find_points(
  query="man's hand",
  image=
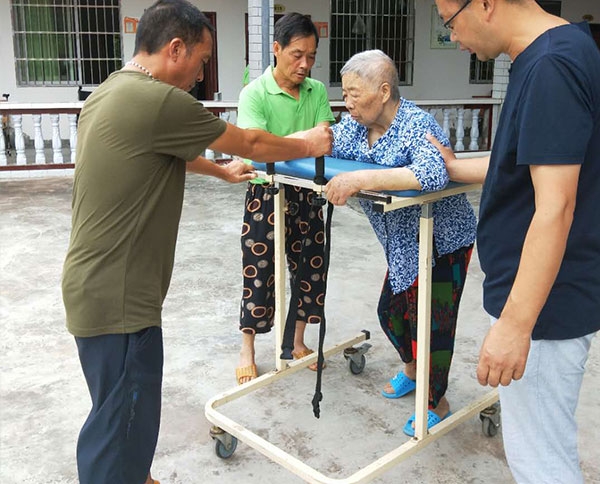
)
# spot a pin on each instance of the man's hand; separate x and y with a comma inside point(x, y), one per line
point(237, 171)
point(468, 170)
point(343, 186)
point(319, 140)
point(503, 354)
point(445, 151)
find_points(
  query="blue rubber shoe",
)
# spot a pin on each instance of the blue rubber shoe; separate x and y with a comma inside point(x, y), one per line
point(401, 384)
point(432, 419)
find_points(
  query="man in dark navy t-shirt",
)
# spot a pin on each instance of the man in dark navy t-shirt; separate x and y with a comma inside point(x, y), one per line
point(538, 234)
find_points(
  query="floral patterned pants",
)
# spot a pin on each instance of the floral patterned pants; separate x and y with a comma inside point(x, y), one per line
point(398, 317)
point(304, 237)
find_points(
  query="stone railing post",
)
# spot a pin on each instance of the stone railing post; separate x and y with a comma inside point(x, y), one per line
point(38, 140)
point(446, 123)
point(474, 144)
point(3, 158)
point(57, 155)
point(460, 129)
point(17, 121)
point(73, 135)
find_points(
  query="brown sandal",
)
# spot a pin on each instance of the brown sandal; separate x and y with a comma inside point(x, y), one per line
point(301, 354)
point(246, 371)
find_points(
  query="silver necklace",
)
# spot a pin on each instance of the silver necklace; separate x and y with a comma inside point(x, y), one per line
point(141, 68)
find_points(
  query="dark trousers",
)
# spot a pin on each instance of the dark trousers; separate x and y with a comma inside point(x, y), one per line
point(124, 376)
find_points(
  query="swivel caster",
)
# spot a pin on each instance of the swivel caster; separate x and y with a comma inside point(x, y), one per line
point(225, 444)
point(356, 358)
point(490, 420)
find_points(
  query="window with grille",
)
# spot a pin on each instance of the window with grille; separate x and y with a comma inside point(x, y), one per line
point(481, 72)
point(358, 25)
point(66, 42)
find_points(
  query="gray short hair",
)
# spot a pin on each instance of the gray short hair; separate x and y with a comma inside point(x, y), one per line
point(374, 67)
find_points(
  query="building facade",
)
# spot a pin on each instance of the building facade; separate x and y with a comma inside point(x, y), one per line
point(52, 49)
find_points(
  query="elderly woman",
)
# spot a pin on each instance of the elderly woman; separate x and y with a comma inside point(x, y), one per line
point(387, 130)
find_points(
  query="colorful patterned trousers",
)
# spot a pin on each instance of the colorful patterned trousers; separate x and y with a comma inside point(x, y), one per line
point(398, 317)
point(303, 222)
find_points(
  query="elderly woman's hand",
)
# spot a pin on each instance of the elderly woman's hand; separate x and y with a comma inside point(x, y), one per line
point(343, 186)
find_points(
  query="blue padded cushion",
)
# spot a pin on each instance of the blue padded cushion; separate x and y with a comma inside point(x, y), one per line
point(305, 168)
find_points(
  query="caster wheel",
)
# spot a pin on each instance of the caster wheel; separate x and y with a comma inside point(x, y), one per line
point(357, 368)
point(225, 451)
point(488, 427)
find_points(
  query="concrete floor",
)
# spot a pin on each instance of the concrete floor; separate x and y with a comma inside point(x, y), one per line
point(44, 400)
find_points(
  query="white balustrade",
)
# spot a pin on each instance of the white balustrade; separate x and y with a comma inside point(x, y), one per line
point(17, 122)
point(38, 140)
point(73, 135)
point(3, 158)
point(57, 156)
point(460, 130)
point(474, 144)
point(446, 123)
point(27, 128)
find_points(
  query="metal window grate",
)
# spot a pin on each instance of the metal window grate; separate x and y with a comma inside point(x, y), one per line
point(358, 25)
point(481, 72)
point(66, 42)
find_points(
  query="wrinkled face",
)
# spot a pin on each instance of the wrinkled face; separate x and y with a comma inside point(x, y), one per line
point(192, 62)
point(295, 61)
point(363, 101)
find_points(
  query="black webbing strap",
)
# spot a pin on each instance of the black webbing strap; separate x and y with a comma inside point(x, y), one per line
point(318, 396)
point(287, 344)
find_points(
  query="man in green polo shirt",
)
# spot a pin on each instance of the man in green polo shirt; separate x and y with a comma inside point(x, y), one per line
point(283, 100)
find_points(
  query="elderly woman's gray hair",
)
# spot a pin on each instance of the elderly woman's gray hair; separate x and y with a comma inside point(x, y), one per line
point(374, 67)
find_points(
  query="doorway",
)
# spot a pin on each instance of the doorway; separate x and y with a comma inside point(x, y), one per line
point(206, 89)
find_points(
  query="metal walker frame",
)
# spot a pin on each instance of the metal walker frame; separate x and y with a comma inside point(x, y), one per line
point(227, 432)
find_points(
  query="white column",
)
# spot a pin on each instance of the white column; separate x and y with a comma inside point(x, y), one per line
point(474, 144)
point(17, 122)
point(57, 156)
point(38, 140)
point(255, 37)
point(73, 135)
point(460, 129)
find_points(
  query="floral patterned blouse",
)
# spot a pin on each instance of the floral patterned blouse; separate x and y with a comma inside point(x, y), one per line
point(404, 144)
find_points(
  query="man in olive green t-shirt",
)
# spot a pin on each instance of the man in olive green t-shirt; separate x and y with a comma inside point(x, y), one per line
point(138, 133)
point(282, 100)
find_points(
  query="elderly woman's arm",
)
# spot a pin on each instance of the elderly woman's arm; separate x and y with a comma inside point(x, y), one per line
point(343, 186)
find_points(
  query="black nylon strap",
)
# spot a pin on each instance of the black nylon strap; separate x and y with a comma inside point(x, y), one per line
point(318, 396)
point(287, 345)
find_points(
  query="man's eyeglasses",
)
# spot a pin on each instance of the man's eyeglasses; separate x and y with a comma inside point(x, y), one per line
point(449, 21)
